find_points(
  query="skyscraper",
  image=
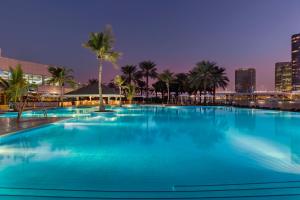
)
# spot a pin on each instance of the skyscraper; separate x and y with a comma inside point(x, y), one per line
point(296, 61)
point(245, 80)
point(283, 76)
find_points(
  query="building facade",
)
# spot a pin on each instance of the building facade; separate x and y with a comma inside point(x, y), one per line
point(296, 62)
point(34, 73)
point(245, 80)
point(283, 77)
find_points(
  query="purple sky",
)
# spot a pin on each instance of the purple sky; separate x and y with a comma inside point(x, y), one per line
point(173, 33)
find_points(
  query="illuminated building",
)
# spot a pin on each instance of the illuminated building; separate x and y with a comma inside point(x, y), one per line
point(34, 73)
point(296, 62)
point(283, 76)
point(245, 80)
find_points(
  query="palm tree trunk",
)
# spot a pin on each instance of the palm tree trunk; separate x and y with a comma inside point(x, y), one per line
point(168, 88)
point(214, 94)
point(101, 106)
point(205, 91)
point(21, 108)
point(120, 98)
point(200, 92)
point(147, 87)
point(61, 95)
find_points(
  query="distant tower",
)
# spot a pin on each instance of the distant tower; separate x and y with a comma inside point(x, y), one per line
point(245, 80)
point(283, 76)
point(296, 61)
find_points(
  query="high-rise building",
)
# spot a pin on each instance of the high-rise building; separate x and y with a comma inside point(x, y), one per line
point(296, 61)
point(245, 80)
point(283, 76)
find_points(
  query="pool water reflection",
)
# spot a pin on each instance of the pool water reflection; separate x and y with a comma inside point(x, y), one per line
point(156, 148)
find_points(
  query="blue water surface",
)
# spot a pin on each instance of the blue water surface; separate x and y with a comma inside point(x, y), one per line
point(155, 152)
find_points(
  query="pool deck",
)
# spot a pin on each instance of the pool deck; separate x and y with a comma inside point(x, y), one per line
point(9, 125)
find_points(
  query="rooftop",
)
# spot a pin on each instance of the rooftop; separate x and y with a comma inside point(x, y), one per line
point(92, 90)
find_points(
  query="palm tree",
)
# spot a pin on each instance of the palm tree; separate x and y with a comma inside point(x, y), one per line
point(130, 91)
point(148, 70)
point(92, 81)
point(202, 76)
point(159, 86)
point(181, 80)
point(61, 76)
point(141, 86)
point(167, 77)
point(219, 79)
point(119, 81)
point(17, 89)
point(180, 84)
point(195, 83)
point(102, 45)
point(129, 73)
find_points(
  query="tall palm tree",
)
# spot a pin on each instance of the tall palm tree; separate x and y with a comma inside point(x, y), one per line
point(148, 70)
point(219, 79)
point(17, 89)
point(140, 85)
point(181, 80)
point(102, 45)
point(119, 81)
point(129, 73)
point(159, 86)
point(195, 84)
point(202, 76)
point(61, 76)
point(167, 77)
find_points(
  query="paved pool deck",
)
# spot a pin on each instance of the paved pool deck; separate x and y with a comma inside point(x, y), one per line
point(8, 125)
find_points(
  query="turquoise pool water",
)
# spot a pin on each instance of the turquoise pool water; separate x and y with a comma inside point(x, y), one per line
point(156, 153)
point(54, 112)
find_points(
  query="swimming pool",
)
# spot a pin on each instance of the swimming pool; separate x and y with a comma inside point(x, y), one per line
point(54, 112)
point(158, 153)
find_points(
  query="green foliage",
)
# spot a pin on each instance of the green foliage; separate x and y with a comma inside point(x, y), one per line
point(61, 76)
point(207, 77)
point(130, 74)
point(17, 86)
point(148, 70)
point(130, 92)
point(92, 81)
point(166, 76)
point(16, 89)
point(102, 44)
point(119, 81)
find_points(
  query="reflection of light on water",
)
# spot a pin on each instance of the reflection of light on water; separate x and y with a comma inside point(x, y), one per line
point(173, 107)
point(129, 106)
point(71, 126)
point(104, 118)
point(131, 115)
point(42, 152)
point(269, 154)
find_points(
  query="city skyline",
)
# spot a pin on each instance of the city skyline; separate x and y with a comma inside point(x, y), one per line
point(253, 35)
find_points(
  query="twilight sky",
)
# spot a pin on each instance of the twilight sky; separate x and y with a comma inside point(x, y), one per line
point(175, 34)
